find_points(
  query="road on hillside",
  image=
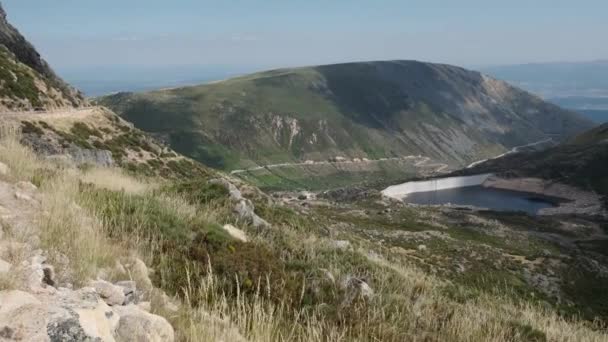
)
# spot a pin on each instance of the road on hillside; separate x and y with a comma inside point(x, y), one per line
point(422, 162)
point(51, 114)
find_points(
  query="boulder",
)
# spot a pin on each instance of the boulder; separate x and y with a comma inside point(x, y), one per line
point(341, 244)
point(235, 232)
point(355, 289)
point(22, 317)
point(136, 324)
point(110, 293)
point(242, 206)
point(139, 273)
point(79, 316)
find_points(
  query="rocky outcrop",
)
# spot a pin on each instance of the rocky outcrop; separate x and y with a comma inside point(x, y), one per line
point(24, 53)
point(37, 305)
point(243, 207)
point(66, 315)
point(46, 146)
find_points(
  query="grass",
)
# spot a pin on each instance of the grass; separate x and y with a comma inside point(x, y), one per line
point(284, 285)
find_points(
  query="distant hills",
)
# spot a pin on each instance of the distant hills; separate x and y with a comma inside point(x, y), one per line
point(581, 86)
point(553, 80)
point(580, 161)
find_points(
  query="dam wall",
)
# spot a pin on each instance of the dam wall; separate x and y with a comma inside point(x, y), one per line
point(401, 191)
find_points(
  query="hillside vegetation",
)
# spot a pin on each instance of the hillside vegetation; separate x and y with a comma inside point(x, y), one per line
point(297, 277)
point(357, 110)
point(26, 80)
point(580, 161)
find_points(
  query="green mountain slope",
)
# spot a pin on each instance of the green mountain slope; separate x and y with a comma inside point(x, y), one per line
point(26, 80)
point(358, 110)
point(580, 161)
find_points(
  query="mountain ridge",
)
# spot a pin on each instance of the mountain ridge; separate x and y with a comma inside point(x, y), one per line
point(357, 110)
point(28, 81)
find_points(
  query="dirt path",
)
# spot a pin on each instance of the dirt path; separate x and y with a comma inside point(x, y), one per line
point(54, 114)
point(420, 161)
point(515, 149)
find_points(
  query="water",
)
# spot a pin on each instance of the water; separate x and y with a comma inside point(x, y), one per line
point(479, 196)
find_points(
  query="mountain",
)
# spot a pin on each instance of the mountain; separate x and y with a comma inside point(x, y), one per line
point(107, 235)
point(580, 161)
point(26, 80)
point(366, 110)
point(557, 80)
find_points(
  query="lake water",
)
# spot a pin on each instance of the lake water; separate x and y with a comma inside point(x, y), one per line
point(479, 196)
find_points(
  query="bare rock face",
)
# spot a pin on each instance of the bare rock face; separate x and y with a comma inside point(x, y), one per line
point(91, 156)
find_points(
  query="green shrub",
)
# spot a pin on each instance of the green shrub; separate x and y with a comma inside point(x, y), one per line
point(200, 191)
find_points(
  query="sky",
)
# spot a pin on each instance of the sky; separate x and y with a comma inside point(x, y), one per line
point(81, 34)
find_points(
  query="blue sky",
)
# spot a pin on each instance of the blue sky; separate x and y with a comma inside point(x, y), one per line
point(275, 33)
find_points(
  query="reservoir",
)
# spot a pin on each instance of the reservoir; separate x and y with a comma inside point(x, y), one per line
point(483, 197)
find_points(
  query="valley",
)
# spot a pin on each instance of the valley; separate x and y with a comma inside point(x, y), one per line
point(372, 110)
point(270, 207)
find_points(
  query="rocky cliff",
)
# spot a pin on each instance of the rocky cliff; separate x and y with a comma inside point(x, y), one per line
point(26, 80)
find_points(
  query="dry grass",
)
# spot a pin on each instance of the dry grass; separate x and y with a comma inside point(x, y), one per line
point(75, 239)
point(114, 179)
point(24, 164)
point(408, 305)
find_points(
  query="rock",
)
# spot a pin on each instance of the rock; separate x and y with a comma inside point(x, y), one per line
point(22, 317)
point(26, 186)
point(130, 291)
point(111, 294)
point(139, 273)
point(242, 207)
point(22, 196)
point(80, 316)
point(137, 325)
point(48, 275)
point(235, 232)
point(341, 244)
point(4, 170)
point(12, 300)
point(146, 306)
point(422, 248)
point(4, 266)
point(245, 210)
point(35, 271)
point(356, 288)
point(86, 156)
